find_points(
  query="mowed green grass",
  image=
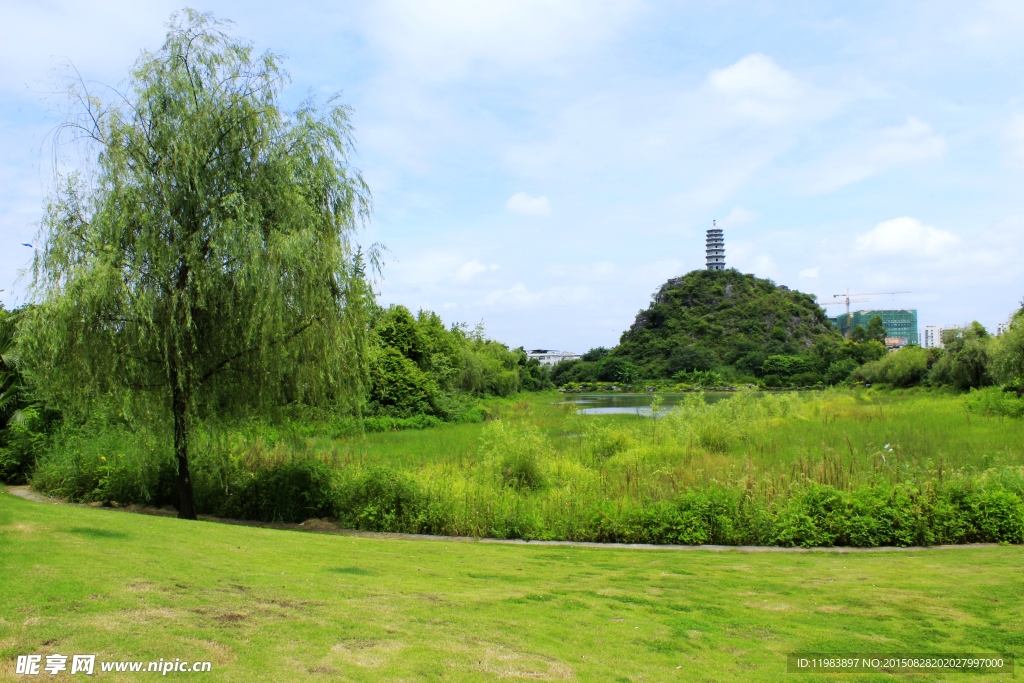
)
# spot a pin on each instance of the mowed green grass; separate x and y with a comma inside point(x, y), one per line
point(274, 605)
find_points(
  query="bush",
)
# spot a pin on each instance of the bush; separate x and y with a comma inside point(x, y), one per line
point(286, 492)
point(996, 516)
point(905, 368)
point(515, 454)
point(397, 424)
point(399, 387)
point(994, 401)
point(840, 370)
point(805, 379)
point(660, 523)
point(520, 470)
point(380, 499)
point(24, 440)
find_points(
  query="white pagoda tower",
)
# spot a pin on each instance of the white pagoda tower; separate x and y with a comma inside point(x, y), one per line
point(716, 248)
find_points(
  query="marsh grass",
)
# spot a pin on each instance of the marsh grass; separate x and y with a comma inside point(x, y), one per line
point(849, 467)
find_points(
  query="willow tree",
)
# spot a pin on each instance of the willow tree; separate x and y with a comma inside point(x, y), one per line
point(204, 260)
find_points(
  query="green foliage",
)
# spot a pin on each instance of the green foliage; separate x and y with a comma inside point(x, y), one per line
point(532, 375)
point(11, 389)
point(965, 363)
point(703, 378)
point(692, 357)
point(904, 368)
point(380, 499)
point(23, 441)
point(398, 330)
point(875, 331)
point(398, 387)
point(995, 401)
point(284, 492)
point(594, 354)
point(418, 367)
point(787, 366)
point(840, 370)
point(569, 371)
point(1007, 352)
point(515, 454)
point(711, 320)
point(737, 471)
point(396, 424)
point(206, 265)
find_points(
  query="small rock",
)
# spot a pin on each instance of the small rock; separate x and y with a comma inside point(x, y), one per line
point(95, 504)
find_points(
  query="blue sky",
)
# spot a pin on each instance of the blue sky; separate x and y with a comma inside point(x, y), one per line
point(545, 166)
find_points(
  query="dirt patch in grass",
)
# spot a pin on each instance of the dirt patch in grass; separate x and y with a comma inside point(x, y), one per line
point(506, 662)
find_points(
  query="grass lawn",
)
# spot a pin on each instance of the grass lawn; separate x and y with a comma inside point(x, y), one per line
point(272, 605)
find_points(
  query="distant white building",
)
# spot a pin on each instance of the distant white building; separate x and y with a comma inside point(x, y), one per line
point(931, 337)
point(549, 357)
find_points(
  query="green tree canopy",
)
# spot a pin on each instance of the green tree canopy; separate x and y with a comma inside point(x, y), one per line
point(965, 363)
point(206, 261)
point(875, 330)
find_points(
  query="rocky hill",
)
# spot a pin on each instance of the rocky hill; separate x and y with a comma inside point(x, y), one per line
point(708, 319)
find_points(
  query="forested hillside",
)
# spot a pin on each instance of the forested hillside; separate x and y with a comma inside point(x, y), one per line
point(738, 325)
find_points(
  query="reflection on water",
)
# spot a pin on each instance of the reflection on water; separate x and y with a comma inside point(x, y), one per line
point(631, 404)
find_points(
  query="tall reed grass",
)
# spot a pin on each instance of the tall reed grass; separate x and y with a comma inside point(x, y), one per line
point(819, 469)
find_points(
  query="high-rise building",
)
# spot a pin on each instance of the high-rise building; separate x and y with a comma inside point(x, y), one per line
point(900, 325)
point(931, 337)
point(715, 248)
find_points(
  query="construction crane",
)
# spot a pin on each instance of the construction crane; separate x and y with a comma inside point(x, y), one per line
point(848, 300)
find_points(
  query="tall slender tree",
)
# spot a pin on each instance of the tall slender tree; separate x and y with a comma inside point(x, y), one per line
point(205, 260)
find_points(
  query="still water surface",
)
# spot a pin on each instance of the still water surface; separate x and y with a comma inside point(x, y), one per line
point(633, 404)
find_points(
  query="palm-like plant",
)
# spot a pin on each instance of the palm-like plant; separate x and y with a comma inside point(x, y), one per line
point(10, 380)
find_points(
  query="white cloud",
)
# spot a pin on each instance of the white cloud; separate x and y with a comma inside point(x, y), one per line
point(810, 272)
point(446, 39)
point(764, 266)
point(738, 216)
point(1013, 142)
point(526, 205)
point(993, 21)
point(470, 269)
point(519, 296)
point(759, 90)
point(905, 237)
point(912, 142)
point(37, 37)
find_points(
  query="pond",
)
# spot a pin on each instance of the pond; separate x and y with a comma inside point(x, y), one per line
point(632, 404)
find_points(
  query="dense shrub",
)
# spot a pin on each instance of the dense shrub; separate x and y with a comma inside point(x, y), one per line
point(995, 401)
point(399, 387)
point(23, 441)
point(819, 516)
point(515, 453)
point(659, 523)
point(380, 498)
point(396, 424)
point(840, 370)
point(905, 368)
point(286, 492)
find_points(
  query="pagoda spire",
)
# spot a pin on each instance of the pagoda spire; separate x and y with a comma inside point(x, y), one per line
point(715, 248)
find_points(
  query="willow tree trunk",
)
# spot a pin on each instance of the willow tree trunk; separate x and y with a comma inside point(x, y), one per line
point(182, 431)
